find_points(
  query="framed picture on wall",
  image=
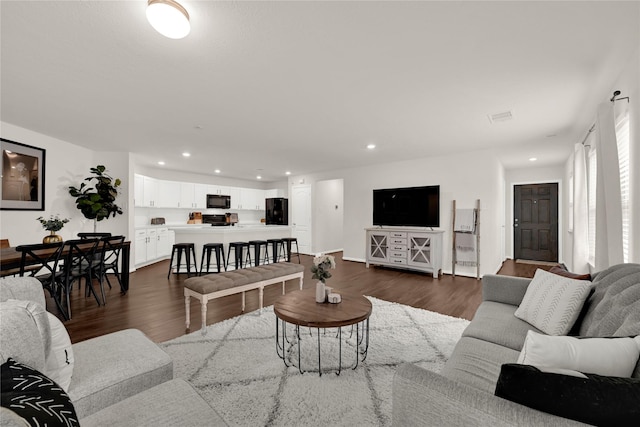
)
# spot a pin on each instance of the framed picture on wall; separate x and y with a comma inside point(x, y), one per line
point(23, 175)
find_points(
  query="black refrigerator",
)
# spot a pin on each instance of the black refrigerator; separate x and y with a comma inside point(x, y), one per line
point(277, 211)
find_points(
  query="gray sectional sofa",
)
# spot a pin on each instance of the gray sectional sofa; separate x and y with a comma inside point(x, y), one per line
point(463, 393)
point(121, 379)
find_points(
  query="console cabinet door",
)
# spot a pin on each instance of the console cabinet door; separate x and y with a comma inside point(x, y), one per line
point(420, 250)
point(378, 246)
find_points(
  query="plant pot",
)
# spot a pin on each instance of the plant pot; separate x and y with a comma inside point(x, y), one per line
point(52, 238)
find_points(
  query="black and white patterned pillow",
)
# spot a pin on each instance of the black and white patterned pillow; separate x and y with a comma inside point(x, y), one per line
point(35, 397)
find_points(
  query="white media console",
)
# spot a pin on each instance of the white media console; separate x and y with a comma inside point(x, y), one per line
point(411, 248)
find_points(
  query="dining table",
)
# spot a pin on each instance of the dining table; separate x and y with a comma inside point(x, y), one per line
point(10, 259)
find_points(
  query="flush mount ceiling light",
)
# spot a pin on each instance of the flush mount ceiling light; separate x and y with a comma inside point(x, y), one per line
point(169, 18)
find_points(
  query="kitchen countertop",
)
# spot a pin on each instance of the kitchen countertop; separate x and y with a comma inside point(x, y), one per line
point(227, 229)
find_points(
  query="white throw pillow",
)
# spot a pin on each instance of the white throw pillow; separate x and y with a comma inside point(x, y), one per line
point(612, 357)
point(59, 361)
point(552, 303)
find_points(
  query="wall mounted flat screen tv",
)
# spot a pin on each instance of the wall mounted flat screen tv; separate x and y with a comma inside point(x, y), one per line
point(408, 207)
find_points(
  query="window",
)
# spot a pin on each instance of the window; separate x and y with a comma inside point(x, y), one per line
point(571, 213)
point(622, 138)
point(591, 197)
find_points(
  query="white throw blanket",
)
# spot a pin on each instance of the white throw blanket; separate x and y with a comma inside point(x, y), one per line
point(466, 253)
point(465, 220)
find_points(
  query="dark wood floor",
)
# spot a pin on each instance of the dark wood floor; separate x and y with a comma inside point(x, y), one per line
point(155, 304)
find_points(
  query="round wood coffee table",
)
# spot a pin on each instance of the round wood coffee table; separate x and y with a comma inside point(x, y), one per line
point(300, 308)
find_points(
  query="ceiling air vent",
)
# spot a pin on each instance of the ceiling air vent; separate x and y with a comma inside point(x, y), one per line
point(500, 117)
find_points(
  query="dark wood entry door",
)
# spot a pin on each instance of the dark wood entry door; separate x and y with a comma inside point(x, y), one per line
point(535, 228)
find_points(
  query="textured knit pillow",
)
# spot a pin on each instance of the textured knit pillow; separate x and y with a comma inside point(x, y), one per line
point(22, 325)
point(552, 303)
point(614, 357)
point(34, 397)
point(597, 400)
point(59, 361)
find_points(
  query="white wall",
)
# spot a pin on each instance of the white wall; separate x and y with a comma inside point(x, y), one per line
point(65, 165)
point(628, 83)
point(328, 215)
point(540, 175)
point(464, 177)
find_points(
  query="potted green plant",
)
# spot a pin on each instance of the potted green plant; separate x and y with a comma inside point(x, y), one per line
point(53, 224)
point(96, 197)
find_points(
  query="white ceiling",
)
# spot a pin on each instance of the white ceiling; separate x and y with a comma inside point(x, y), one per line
point(304, 86)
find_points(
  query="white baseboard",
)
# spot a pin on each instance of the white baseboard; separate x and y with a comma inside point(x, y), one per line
point(353, 259)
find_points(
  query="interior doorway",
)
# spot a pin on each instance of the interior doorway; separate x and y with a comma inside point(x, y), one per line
point(301, 217)
point(535, 222)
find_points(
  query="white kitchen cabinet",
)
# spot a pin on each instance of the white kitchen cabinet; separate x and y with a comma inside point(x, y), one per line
point(155, 193)
point(152, 244)
point(273, 193)
point(169, 194)
point(250, 199)
point(193, 196)
point(200, 192)
point(236, 203)
point(163, 248)
point(186, 195)
point(218, 189)
point(150, 192)
point(141, 246)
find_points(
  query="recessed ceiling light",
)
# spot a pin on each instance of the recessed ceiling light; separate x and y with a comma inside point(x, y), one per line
point(287, 173)
point(185, 154)
point(258, 177)
point(533, 159)
point(161, 163)
point(169, 18)
point(371, 146)
point(217, 171)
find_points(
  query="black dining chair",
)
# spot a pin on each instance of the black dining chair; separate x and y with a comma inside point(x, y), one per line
point(109, 260)
point(41, 261)
point(78, 263)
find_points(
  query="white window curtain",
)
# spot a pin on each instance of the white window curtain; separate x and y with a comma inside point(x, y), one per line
point(608, 249)
point(592, 166)
point(622, 137)
point(580, 211)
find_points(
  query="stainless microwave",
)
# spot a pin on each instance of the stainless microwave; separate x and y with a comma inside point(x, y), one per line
point(218, 201)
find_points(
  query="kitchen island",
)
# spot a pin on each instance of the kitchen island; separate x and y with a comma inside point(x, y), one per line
point(227, 234)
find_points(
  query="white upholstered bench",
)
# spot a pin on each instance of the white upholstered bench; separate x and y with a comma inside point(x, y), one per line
point(217, 285)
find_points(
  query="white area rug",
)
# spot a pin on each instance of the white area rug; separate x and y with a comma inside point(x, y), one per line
point(236, 369)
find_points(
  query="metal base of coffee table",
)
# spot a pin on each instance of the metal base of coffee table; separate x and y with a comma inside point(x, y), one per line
point(361, 346)
point(299, 309)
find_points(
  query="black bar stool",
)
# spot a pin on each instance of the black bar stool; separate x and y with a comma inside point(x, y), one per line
point(288, 241)
point(208, 248)
point(277, 245)
point(238, 249)
point(189, 250)
point(257, 246)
